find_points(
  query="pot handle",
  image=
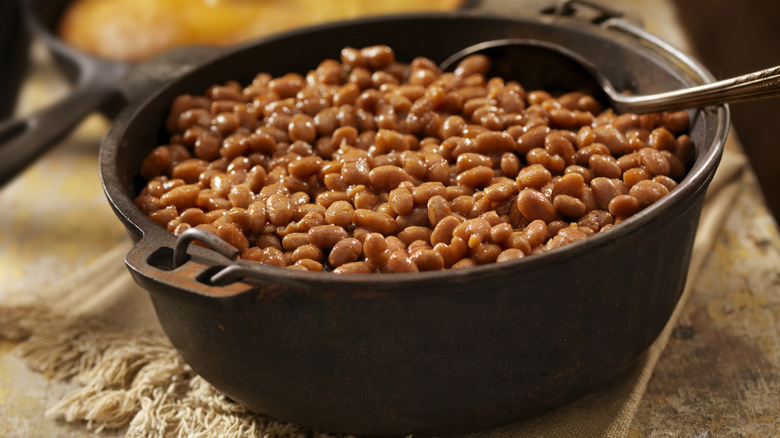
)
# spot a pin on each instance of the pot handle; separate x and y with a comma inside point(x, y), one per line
point(627, 24)
point(186, 273)
point(596, 13)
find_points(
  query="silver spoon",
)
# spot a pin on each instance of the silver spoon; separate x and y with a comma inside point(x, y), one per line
point(507, 57)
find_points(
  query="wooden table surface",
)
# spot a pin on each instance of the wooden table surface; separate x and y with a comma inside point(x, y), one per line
point(718, 376)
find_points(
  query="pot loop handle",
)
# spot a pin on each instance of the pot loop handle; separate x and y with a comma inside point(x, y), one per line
point(209, 240)
point(232, 273)
point(595, 12)
point(628, 24)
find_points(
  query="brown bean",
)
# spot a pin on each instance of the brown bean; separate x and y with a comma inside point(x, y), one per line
point(241, 195)
point(356, 172)
point(311, 252)
point(534, 176)
point(554, 163)
point(676, 121)
point(354, 268)
point(304, 167)
point(571, 184)
point(340, 213)
point(425, 191)
point(534, 205)
point(596, 220)
point(519, 240)
point(385, 178)
point(509, 254)
point(399, 261)
point(233, 235)
point(476, 177)
point(470, 160)
point(556, 143)
point(438, 168)
point(181, 197)
point(442, 231)
point(427, 260)
point(189, 170)
point(164, 215)
point(268, 256)
point(536, 232)
point(648, 192)
point(582, 156)
point(287, 85)
point(634, 175)
point(326, 236)
point(623, 206)
point(452, 252)
point(570, 206)
point(147, 204)
point(327, 198)
point(473, 231)
point(494, 142)
point(612, 138)
point(345, 251)
point(624, 122)
point(413, 233)
point(563, 118)
point(485, 253)
point(654, 161)
point(604, 189)
point(501, 191)
point(375, 250)
point(401, 200)
point(279, 210)
point(291, 241)
point(661, 139)
point(388, 140)
point(500, 233)
point(464, 263)
point(531, 139)
point(566, 236)
point(438, 209)
point(372, 220)
point(417, 217)
point(676, 166)
point(305, 264)
point(668, 182)
point(510, 164)
point(604, 166)
point(238, 216)
point(471, 65)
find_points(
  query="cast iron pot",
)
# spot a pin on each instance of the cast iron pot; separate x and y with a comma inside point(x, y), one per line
point(430, 353)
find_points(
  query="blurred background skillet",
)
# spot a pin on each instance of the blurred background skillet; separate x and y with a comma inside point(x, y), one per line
point(108, 69)
point(14, 44)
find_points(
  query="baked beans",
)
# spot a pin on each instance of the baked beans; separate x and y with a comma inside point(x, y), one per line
point(369, 165)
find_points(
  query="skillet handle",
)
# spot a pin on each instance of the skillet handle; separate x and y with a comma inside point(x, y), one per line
point(23, 140)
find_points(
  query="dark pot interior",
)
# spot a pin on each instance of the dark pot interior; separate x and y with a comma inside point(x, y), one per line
point(428, 353)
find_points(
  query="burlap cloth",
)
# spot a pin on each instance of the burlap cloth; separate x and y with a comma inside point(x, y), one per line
point(99, 329)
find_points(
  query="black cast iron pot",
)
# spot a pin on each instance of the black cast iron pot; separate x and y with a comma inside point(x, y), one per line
point(426, 353)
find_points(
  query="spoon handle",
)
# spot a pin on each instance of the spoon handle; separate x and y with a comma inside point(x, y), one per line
point(763, 84)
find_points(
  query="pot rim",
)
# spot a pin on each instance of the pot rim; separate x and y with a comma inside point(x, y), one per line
point(697, 179)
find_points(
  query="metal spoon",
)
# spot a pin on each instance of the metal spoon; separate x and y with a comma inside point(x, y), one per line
point(508, 57)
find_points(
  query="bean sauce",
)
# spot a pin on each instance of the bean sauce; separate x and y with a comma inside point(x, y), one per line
point(370, 165)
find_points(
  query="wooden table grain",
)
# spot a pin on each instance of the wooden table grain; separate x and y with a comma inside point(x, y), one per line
point(720, 372)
